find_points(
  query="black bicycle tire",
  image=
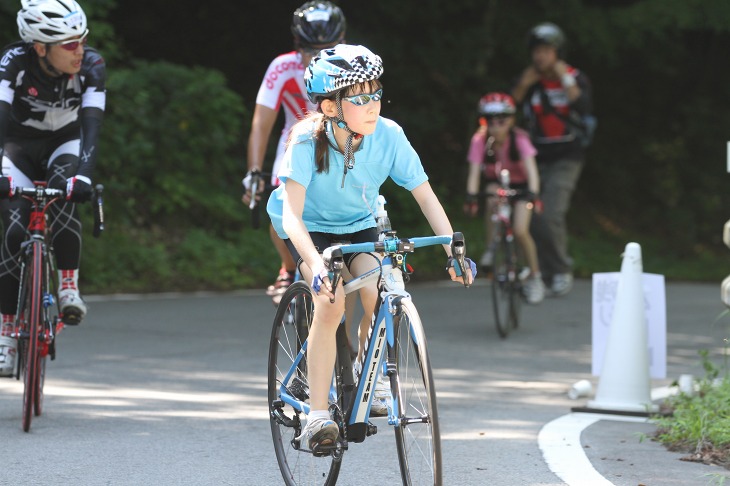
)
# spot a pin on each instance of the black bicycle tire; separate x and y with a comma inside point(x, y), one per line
point(288, 465)
point(47, 278)
point(515, 287)
point(33, 315)
point(500, 286)
point(402, 385)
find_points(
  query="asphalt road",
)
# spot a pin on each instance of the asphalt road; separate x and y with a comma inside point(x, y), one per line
point(170, 389)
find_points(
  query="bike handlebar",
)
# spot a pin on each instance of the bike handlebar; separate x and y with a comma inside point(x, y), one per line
point(334, 261)
point(508, 193)
point(257, 180)
point(392, 245)
point(40, 192)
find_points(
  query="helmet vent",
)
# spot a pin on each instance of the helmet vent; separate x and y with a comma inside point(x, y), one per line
point(342, 64)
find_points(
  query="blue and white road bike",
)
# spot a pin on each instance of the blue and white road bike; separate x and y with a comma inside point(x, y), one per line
point(396, 346)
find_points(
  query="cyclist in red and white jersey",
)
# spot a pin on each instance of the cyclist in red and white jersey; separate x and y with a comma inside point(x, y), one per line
point(52, 99)
point(315, 25)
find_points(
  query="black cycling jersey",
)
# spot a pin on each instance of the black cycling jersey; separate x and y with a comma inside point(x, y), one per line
point(35, 105)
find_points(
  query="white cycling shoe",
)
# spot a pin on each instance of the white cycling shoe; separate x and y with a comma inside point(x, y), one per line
point(381, 394)
point(8, 352)
point(73, 307)
point(381, 398)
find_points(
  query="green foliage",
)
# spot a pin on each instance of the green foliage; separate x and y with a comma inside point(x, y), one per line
point(171, 166)
point(656, 172)
point(171, 141)
point(700, 423)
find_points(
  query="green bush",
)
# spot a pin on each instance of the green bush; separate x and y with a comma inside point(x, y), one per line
point(700, 423)
point(171, 162)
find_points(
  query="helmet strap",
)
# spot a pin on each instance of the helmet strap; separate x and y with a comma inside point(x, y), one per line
point(341, 123)
point(47, 65)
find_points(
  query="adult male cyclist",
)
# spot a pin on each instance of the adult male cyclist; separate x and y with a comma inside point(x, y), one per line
point(315, 25)
point(52, 99)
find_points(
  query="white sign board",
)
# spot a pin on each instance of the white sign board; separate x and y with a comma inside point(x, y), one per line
point(655, 307)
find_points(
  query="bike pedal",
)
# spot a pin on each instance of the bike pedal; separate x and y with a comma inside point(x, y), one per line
point(324, 450)
point(71, 318)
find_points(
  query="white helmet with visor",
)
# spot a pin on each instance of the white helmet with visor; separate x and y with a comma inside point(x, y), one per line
point(51, 21)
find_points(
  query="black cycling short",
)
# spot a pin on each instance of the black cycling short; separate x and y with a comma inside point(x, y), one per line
point(325, 240)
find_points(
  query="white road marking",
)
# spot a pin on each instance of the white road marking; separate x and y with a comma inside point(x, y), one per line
point(559, 442)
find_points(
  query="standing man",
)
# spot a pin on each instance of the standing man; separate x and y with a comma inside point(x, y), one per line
point(556, 98)
point(315, 26)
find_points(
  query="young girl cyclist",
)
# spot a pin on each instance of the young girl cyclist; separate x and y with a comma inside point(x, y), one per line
point(333, 167)
point(498, 145)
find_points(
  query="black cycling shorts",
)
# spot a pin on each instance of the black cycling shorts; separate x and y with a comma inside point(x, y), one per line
point(325, 240)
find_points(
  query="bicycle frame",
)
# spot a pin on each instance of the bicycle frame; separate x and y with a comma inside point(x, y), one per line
point(392, 294)
point(37, 243)
point(506, 286)
point(35, 326)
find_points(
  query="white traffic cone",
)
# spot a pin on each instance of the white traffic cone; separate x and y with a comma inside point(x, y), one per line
point(624, 384)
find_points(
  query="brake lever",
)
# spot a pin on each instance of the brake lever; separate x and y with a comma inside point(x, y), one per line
point(334, 261)
point(98, 211)
point(458, 252)
point(253, 205)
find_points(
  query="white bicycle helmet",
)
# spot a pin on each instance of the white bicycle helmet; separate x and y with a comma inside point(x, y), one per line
point(50, 21)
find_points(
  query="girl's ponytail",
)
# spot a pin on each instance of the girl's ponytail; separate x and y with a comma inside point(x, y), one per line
point(319, 136)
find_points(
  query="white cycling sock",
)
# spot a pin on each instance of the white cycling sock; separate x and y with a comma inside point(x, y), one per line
point(68, 279)
point(318, 414)
point(6, 324)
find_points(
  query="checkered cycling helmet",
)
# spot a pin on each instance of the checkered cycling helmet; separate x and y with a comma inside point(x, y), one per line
point(338, 67)
point(496, 104)
point(50, 21)
point(318, 23)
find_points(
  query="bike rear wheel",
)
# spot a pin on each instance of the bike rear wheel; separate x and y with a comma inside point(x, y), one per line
point(290, 330)
point(32, 311)
point(417, 436)
point(505, 287)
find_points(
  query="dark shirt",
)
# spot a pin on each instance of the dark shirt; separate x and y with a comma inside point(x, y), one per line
point(36, 105)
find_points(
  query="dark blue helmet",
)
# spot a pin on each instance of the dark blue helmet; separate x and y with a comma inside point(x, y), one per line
point(318, 23)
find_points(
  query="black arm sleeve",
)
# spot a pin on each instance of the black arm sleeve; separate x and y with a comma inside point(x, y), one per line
point(584, 103)
point(4, 122)
point(91, 119)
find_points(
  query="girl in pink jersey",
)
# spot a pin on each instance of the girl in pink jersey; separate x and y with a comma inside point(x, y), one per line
point(498, 145)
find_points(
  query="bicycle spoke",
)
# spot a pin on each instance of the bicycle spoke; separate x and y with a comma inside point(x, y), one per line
point(417, 437)
point(291, 327)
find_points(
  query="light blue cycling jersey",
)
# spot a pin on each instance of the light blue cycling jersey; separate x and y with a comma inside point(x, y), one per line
point(331, 208)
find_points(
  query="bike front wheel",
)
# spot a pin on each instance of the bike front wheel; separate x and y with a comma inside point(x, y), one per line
point(297, 464)
point(417, 435)
point(505, 287)
point(31, 311)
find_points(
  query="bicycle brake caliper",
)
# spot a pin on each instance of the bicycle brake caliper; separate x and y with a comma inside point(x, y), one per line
point(48, 299)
